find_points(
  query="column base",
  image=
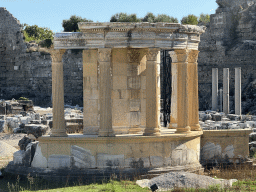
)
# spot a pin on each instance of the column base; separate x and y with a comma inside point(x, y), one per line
point(152, 132)
point(91, 130)
point(172, 126)
point(58, 134)
point(106, 134)
point(196, 127)
point(183, 130)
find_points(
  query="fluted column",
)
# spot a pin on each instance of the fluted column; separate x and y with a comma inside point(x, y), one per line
point(152, 93)
point(59, 126)
point(182, 91)
point(214, 89)
point(193, 89)
point(104, 59)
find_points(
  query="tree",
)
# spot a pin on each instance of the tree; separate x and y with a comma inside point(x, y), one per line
point(165, 18)
point(38, 33)
point(150, 17)
point(124, 17)
point(190, 19)
point(204, 18)
point(71, 25)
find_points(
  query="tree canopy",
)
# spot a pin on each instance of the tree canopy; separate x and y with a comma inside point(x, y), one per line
point(204, 18)
point(34, 32)
point(190, 19)
point(71, 24)
point(149, 17)
point(124, 17)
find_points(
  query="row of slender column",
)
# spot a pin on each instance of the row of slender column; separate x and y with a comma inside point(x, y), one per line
point(225, 91)
point(187, 92)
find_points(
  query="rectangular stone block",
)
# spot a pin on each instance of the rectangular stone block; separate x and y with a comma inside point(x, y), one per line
point(133, 82)
point(110, 161)
point(135, 105)
point(119, 82)
point(59, 161)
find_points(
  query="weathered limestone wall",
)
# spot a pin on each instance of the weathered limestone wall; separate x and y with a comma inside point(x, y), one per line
point(28, 74)
point(224, 145)
point(115, 152)
point(229, 42)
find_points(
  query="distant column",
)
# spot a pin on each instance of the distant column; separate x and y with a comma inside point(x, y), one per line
point(238, 91)
point(59, 126)
point(214, 89)
point(221, 98)
point(152, 93)
point(104, 59)
point(226, 90)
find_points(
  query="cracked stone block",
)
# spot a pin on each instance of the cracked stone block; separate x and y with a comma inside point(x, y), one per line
point(18, 157)
point(82, 157)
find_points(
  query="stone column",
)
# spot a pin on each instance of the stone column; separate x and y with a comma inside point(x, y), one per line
point(173, 116)
point(182, 91)
point(221, 99)
point(193, 89)
point(104, 59)
point(226, 90)
point(152, 93)
point(238, 91)
point(59, 125)
point(214, 89)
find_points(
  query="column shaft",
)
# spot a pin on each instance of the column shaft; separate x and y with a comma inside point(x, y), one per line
point(238, 91)
point(59, 126)
point(104, 58)
point(214, 89)
point(226, 90)
point(182, 91)
point(193, 85)
point(152, 93)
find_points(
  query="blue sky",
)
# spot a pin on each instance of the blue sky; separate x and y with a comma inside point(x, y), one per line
point(50, 13)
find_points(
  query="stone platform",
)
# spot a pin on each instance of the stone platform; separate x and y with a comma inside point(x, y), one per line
point(124, 155)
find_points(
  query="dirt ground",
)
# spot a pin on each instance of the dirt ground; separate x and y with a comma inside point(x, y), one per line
point(8, 145)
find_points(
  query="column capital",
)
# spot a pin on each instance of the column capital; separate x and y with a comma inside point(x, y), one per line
point(104, 55)
point(152, 54)
point(57, 54)
point(181, 55)
point(193, 56)
point(133, 55)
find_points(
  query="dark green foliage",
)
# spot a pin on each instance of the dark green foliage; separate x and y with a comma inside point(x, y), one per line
point(165, 18)
point(190, 19)
point(204, 18)
point(150, 17)
point(71, 25)
point(124, 17)
point(36, 33)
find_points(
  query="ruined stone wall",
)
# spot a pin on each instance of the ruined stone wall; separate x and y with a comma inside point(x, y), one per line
point(229, 42)
point(28, 74)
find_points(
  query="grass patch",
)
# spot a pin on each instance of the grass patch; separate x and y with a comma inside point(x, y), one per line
point(245, 174)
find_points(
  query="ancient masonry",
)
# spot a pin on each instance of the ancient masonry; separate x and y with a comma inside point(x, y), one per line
point(229, 42)
point(28, 74)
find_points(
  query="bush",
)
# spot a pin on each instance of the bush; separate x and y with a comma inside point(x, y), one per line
point(190, 19)
point(71, 25)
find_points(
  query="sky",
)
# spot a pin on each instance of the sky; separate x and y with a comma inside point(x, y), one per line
point(51, 13)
